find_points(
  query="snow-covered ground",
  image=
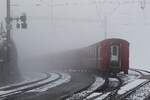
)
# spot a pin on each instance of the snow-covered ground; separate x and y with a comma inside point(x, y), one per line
point(130, 81)
point(99, 81)
point(145, 73)
point(65, 78)
point(103, 96)
point(113, 82)
point(141, 93)
point(4, 93)
point(130, 86)
point(96, 94)
point(28, 78)
point(131, 76)
point(146, 68)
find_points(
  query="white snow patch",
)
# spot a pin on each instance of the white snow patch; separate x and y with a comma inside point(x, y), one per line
point(13, 91)
point(144, 68)
point(28, 78)
point(93, 95)
point(130, 86)
point(64, 79)
point(113, 82)
point(133, 75)
point(99, 81)
point(141, 93)
point(103, 96)
point(145, 73)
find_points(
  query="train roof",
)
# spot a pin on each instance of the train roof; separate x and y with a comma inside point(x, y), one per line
point(114, 39)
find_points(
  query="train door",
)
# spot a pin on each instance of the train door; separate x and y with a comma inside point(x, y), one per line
point(2, 52)
point(114, 55)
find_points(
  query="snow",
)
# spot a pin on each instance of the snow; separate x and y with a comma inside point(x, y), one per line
point(113, 82)
point(93, 95)
point(132, 72)
point(141, 93)
point(99, 81)
point(13, 91)
point(133, 75)
point(64, 79)
point(28, 77)
point(146, 68)
point(130, 86)
point(103, 96)
point(145, 73)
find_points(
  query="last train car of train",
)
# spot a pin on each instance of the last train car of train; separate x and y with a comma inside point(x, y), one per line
point(107, 56)
point(114, 56)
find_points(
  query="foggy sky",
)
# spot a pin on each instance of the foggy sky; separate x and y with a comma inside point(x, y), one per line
point(77, 23)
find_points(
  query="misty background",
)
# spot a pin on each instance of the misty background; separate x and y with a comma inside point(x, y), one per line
point(59, 25)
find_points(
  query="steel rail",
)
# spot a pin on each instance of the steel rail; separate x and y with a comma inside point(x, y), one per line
point(137, 70)
point(70, 96)
point(24, 84)
point(112, 95)
point(103, 92)
point(143, 70)
point(114, 91)
point(20, 91)
point(125, 95)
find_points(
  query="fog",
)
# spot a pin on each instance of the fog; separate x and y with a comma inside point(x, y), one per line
point(59, 25)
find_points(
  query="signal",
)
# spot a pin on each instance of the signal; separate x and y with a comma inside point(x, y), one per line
point(23, 19)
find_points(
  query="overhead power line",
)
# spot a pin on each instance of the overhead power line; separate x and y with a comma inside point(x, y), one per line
point(93, 2)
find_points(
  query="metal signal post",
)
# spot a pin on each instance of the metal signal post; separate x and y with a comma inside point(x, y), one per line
point(9, 19)
point(8, 28)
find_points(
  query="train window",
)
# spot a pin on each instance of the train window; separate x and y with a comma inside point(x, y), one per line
point(114, 50)
point(99, 51)
point(114, 53)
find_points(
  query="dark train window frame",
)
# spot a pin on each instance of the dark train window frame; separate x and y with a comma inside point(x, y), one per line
point(115, 50)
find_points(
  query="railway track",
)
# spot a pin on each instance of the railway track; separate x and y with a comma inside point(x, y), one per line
point(110, 92)
point(113, 93)
point(100, 89)
point(107, 93)
point(138, 70)
point(122, 93)
point(92, 92)
point(78, 82)
point(9, 92)
point(142, 71)
point(126, 94)
point(82, 94)
point(24, 84)
point(142, 91)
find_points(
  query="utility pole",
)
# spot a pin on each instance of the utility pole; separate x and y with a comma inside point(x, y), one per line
point(8, 21)
point(8, 29)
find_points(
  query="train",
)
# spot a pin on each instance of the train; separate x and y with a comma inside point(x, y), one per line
point(107, 56)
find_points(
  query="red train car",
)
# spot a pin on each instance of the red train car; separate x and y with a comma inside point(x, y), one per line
point(114, 55)
point(107, 56)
